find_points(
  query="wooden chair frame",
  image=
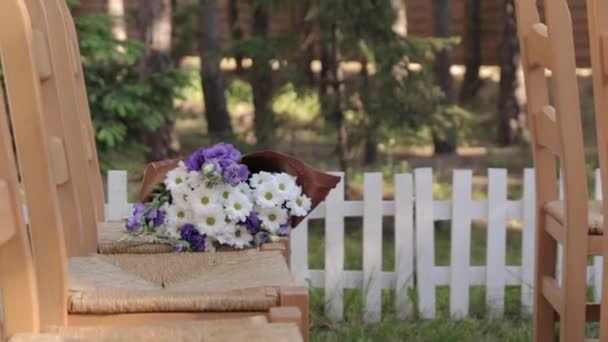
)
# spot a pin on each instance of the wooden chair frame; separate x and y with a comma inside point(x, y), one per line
point(557, 134)
point(44, 171)
point(597, 15)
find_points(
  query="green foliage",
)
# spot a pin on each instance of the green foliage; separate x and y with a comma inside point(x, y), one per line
point(122, 103)
point(400, 103)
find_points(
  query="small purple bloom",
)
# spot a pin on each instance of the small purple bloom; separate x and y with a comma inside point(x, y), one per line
point(156, 216)
point(193, 237)
point(285, 228)
point(211, 167)
point(136, 220)
point(195, 161)
point(235, 173)
point(252, 223)
point(261, 238)
point(221, 151)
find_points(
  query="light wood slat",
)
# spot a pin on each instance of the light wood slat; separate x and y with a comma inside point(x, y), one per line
point(497, 242)
point(547, 132)
point(604, 49)
point(372, 247)
point(425, 243)
point(404, 245)
point(298, 241)
point(528, 240)
point(461, 250)
point(552, 292)
point(7, 218)
point(539, 47)
point(334, 252)
point(43, 60)
point(59, 161)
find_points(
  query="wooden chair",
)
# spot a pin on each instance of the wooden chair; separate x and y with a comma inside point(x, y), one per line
point(597, 13)
point(116, 289)
point(20, 294)
point(95, 234)
point(557, 135)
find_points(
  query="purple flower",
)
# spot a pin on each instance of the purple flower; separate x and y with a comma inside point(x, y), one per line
point(285, 228)
point(211, 168)
point(221, 151)
point(235, 173)
point(261, 238)
point(156, 216)
point(195, 161)
point(136, 220)
point(193, 237)
point(252, 223)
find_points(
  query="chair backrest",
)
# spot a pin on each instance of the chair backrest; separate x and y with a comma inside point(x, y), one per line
point(40, 173)
point(64, 124)
point(597, 12)
point(57, 8)
point(556, 129)
point(17, 278)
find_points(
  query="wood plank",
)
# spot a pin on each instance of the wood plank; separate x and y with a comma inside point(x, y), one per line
point(118, 208)
point(425, 242)
point(334, 252)
point(497, 242)
point(404, 245)
point(460, 243)
point(372, 247)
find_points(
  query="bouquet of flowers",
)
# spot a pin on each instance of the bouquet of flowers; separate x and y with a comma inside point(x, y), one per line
point(215, 197)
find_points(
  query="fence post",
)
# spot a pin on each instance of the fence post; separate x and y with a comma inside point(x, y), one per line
point(372, 247)
point(118, 205)
point(460, 243)
point(404, 245)
point(425, 242)
point(528, 240)
point(334, 252)
point(298, 245)
point(598, 261)
point(497, 242)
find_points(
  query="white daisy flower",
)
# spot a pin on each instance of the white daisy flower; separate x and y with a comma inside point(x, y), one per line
point(177, 215)
point(181, 196)
point(243, 188)
point(260, 178)
point(212, 221)
point(238, 206)
point(273, 218)
point(286, 186)
point(203, 200)
point(176, 179)
point(299, 206)
point(195, 180)
point(242, 238)
point(267, 195)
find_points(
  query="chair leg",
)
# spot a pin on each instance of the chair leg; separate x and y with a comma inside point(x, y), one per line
point(298, 297)
point(574, 289)
point(544, 314)
point(604, 305)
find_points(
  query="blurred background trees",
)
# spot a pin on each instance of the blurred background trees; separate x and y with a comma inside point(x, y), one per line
point(350, 82)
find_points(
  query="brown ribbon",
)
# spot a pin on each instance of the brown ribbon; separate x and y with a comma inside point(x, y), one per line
point(315, 184)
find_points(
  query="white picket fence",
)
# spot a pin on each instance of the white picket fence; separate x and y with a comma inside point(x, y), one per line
point(415, 212)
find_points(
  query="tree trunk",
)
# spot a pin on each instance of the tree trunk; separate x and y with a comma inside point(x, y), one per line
point(337, 84)
point(212, 78)
point(443, 77)
point(472, 51)
point(262, 84)
point(509, 106)
point(370, 150)
point(154, 24)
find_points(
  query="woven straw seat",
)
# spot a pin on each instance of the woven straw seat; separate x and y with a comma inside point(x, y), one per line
point(595, 215)
point(197, 282)
point(109, 233)
point(252, 329)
